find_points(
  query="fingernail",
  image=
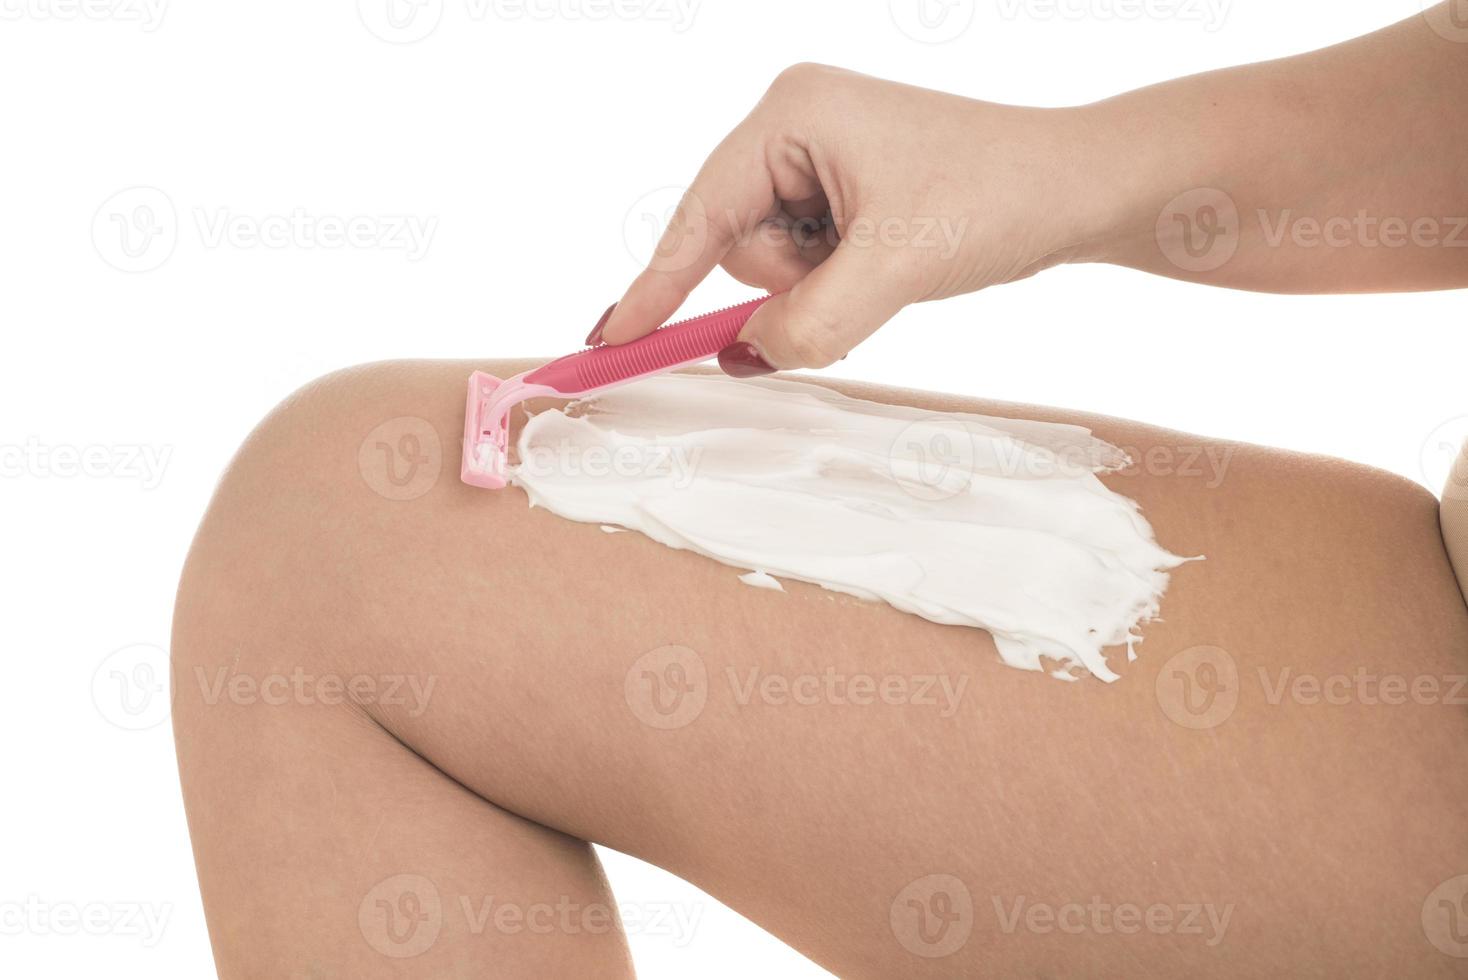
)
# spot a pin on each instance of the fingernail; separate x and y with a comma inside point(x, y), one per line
point(594, 338)
point(741, 360)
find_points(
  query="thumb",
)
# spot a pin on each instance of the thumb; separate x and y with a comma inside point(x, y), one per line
point(836, 306)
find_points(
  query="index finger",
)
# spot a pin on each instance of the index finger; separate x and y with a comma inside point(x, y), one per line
point(729, 197)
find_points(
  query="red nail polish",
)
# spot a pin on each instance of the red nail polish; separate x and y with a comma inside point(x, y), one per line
point(741, 360)
point(594, 338)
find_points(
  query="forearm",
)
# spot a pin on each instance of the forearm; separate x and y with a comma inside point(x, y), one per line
point(1342, 170)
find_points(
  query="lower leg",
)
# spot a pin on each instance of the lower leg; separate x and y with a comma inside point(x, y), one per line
point(328, 848)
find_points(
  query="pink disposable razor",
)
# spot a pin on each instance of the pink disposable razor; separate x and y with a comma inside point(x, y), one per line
point(487, 415)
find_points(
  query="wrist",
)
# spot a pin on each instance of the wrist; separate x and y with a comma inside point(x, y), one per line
point(1107, 187)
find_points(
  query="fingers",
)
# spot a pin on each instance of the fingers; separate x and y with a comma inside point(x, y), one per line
point(733, 189)
point(775, 270)
point(780, 253)
point(832, 309)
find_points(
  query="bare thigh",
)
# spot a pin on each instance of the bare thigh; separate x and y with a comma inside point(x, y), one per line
point(878, 791)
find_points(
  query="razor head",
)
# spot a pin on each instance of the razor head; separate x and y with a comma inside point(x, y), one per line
point(486, 434)
point(486, 459)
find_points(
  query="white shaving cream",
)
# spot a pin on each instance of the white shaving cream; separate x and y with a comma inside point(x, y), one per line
point(762, 580)
point(963, 519)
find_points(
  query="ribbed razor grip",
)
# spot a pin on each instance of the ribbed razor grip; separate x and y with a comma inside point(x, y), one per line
point(685, 342)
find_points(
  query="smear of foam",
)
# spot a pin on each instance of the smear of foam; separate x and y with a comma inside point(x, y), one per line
point(996, 524)
point(762, 580)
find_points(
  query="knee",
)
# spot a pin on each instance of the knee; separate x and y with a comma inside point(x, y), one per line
point(332, 479)
point(315, 446)
point(363, 437)
point(293, 470)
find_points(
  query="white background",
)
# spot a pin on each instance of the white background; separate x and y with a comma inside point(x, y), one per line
point(541, 149)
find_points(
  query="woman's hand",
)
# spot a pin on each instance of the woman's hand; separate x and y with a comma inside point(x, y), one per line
point(853, 197)
point(1335, 171)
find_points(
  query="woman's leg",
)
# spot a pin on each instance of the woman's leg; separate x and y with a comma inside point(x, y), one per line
point(875, 789)
point(1455, 517)
point(328, 848)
